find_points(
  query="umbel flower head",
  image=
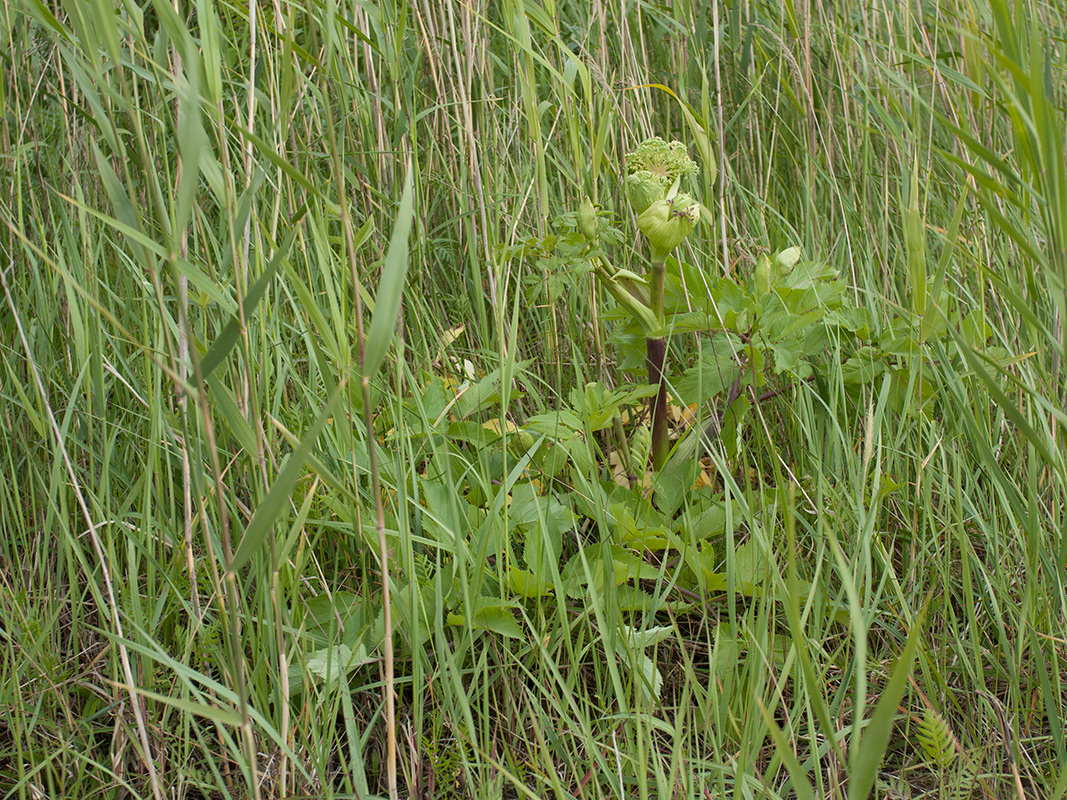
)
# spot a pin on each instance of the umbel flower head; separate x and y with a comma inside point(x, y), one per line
point(665, 216)
point(665, 162)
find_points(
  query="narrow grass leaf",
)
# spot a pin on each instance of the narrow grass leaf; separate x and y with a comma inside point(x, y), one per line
point(222, 716)
point(950, 243)
point(42, 14)
point(1014, 413)
point(871, 748)
point(226, 403)
point(270, 509)
point(915, 242)
point(801, 785)
point(227, 339)
point(391, 286)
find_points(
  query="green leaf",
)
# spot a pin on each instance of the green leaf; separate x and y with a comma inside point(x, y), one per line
point(710, 522)
point(868, 752)
point(391, 286)
point(491, 615)
point(633, 598)
point(625, 566)
point(599, 407)
point(528, 584)
point(484, 393)
point(862, 367)
point(673, 484)
point(806, 274)
point(915, 244)
point(750, 563)
point(323, 615)
point(227, 338)
point(560, 425)
point(728, 650)
point(631, 645)
point(801, 785)
point(221, 716)
point(975, 329)
point(226, 404)
point(649, 531)
point(41, 12)
point(651, 679)
point(332, 663)
point(712, 375)
point(732, 426)
point(270, 509)
point(788, 356)
point(1014, 413)
point(581, 456)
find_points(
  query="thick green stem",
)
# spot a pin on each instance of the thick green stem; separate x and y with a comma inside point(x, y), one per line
point(656, 351)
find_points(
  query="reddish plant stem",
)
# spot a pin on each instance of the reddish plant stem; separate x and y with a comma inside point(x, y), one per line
point(656, 350)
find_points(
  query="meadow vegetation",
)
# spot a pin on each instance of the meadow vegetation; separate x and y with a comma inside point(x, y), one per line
point(331, 467)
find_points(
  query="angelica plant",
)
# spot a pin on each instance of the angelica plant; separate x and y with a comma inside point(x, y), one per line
point(665, 216)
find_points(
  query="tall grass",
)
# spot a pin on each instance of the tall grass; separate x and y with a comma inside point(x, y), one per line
point(201, 497)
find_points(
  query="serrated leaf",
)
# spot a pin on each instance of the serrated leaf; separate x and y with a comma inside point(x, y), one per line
point(599, 407)
point(329, 663)
point(581, 456)
point(560, 425)
point(732, 425)
point(806, 274)
point(634, 598)
point(787, 356)
point(641, 639)
point(862, 367)
point(649, 532)
point(527, 584)
point(712, 375)
point(709, 523)
point(936, 739)
point(625, 566)
point(491, 616)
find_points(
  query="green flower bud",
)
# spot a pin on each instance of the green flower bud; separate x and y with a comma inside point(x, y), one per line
point(665, 223)
point(762, 275)
point(786, 260)
point(587, 219)
point(643, 189)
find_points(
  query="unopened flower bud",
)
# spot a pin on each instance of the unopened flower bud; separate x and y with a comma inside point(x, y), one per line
point(786, 260)
point(666, 223)
point(587, 219)
point(642, 190)
point(762, 275)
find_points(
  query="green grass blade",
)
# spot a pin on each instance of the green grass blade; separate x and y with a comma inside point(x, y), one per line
point(391, 286)
point(871, 747)
point(266, 515)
